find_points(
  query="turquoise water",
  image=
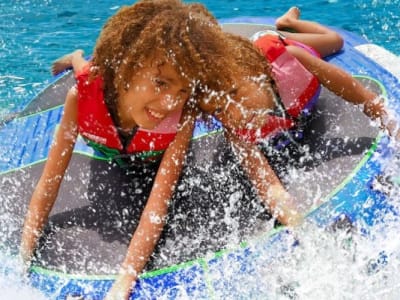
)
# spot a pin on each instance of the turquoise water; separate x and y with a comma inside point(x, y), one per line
point(34, 33)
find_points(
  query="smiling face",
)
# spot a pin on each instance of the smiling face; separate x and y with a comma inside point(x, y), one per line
point(156, 91)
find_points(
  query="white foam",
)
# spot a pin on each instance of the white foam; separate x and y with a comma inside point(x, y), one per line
point(383, 57)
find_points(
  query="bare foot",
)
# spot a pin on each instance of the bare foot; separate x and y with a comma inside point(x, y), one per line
point(65, 62)
point(285, 20)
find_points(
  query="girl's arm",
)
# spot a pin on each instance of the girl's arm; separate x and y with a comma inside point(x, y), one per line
point(268, 186)
point(344, 85)
point(153, 216)
point(47, 188)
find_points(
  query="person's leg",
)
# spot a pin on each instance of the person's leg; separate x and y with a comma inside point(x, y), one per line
point(315, 35)
point(74, 60)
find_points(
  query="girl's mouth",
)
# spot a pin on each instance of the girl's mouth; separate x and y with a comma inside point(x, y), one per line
point(154, 115)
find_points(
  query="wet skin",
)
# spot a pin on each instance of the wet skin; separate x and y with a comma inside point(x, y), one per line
point(246, 105)
point(155, 92)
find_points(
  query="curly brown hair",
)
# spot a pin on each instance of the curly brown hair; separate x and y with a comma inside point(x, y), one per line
point(186, 35)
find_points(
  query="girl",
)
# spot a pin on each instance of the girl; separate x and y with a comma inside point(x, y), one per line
point(258, 84)
point(279, 73)
point(133, 100)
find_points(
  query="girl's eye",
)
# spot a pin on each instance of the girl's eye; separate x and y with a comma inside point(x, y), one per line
point(160, 83)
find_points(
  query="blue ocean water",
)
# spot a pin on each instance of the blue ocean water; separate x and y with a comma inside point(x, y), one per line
point(33, 33)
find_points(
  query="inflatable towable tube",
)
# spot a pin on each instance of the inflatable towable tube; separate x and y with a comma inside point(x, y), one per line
point(91, 224)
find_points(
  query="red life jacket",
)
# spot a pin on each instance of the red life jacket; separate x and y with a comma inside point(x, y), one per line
point(96, 124)
point(296, 85)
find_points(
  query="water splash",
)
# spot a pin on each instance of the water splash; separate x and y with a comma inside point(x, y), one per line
point(12, 284)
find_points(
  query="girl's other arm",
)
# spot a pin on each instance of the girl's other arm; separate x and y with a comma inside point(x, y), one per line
point(270, 189)
point(47, 188)
point(74, 60)
point(344, 85)
point(153, 216)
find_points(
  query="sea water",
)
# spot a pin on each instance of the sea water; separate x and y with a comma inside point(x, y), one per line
point(325, 266)
point(36, 32)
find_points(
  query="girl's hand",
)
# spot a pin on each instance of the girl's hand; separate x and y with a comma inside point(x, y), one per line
point(122, 288)
point(22, 266)
point(376, 109)
point(285, 207)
